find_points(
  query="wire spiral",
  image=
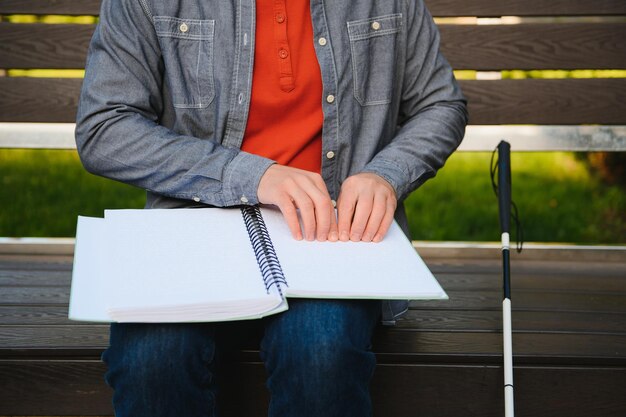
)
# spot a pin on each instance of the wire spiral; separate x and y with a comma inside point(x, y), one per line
point(271, 271)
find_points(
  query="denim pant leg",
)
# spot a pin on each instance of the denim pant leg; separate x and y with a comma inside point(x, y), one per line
point(318, 358)
point(162, 370)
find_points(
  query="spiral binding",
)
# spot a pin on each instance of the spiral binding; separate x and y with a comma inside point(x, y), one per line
point(263, 248)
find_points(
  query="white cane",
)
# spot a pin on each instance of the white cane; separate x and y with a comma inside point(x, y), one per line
point(504, 202)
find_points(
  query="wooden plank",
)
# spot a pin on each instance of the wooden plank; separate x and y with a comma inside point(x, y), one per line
point(38, 99)
point(489, 8)
point(43, 7)
point(441, 321)
point(437, 7)
point(39, 45)
point(88, 340)
point(535, 46)
point(477, 391)
point(36, 315)
point(528, 345)
point(478, 47)
point(79, 339)
point(524, 300)
point(599, 281)
point(567, 101)
point(41, 262)
point(77, 388)
point(491, 321)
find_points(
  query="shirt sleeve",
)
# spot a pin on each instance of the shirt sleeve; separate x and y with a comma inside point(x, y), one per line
point(117, 131)
point(433, 111)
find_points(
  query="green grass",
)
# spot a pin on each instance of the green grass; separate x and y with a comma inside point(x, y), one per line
point(42, 192)
point(557, 199)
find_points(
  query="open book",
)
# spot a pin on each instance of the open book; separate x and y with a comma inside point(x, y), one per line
point(212, 264)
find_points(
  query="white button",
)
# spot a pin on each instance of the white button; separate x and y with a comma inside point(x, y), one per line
point(322, 41)
point(243, 199)
point(183, 27)
point(334, 203)
point(196, 199)
point(330, 154)
point(330, 98)
point(375, 25)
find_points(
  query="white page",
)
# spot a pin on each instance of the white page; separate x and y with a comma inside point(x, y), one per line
point(391, 269)
point(173, 257)
point(88, 297)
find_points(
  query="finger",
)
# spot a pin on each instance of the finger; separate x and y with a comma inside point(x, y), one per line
point(361, 216)
point(307, 212)
point(379, 208)
point(345, 211)
point(323, 208)
point(315, 188)
point(387, 220)
point(333, 234)
point(291, 217)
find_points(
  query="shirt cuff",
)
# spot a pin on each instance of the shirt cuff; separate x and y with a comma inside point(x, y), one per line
point(242, 178)
point(391, 172)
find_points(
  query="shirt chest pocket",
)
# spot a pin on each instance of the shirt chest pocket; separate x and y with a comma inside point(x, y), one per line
point(373, 46)
point(187, 48)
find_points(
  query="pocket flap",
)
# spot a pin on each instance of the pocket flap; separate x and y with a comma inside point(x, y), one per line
point(374, 26)
point(174, 27)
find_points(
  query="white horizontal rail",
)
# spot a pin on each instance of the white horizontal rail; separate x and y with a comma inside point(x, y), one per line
point(477, 138)
point(428, 250)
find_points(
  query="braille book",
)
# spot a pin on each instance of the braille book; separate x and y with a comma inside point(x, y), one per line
point(214, 264)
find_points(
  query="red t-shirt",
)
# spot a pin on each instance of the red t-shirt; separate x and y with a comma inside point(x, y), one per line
point(285, 118)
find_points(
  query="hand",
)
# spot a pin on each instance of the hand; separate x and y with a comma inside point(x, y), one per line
point(291, 189)
point(365, 208)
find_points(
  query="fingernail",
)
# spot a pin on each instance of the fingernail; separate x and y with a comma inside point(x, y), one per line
point(355, 237)
point(333, 236)
point(344, 237)
point(377, 238)
point(366, 238)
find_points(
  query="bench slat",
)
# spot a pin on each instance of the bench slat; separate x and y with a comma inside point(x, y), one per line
point(489, 8)
point(535, 46)
point(44, 7)
point(437, 7)
point(415, 319)
point(27, 340)
point(77, 388)
point(566, 102)
point(490, 300)
point(530, 101)
point(605, 278)
point(494, 47)
point(39, 45)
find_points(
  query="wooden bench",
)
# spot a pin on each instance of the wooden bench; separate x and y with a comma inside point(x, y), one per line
point(442, 359)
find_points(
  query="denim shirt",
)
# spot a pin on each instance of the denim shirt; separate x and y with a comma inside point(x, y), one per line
point(167, 88)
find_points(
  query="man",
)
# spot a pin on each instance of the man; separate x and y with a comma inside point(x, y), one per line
point(306, 106)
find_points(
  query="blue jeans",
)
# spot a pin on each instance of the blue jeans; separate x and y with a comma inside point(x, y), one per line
point(317, 356)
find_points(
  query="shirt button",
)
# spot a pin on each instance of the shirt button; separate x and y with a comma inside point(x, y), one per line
point(280, 18)
point(243, 199)
point(183, 27)
point(375, 25)
point(283, 53)
point(330, 98)
point(334, 203)
point(330, 154)
point(322, 41)
point(196, 199)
